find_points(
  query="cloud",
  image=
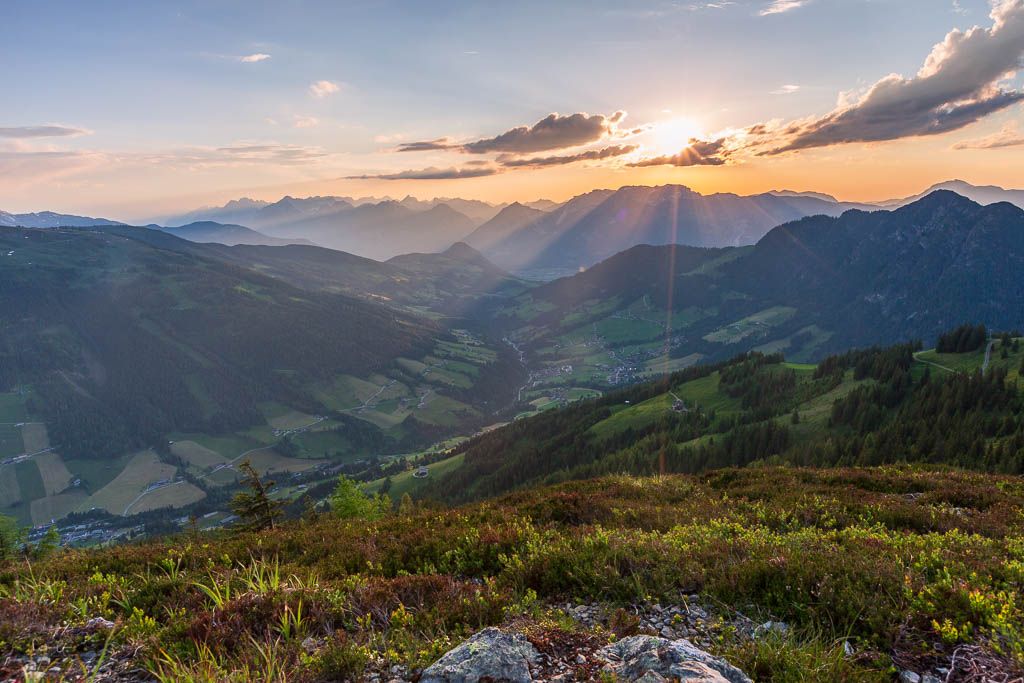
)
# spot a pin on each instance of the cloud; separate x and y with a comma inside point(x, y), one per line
point(789, 89)
point(259, 153)
point(323, 88)
point(591, 155)
point(427, 145)
point(958, 85)
point(780, 6)
point(1009, 136)
point(253, 58)
point(41, 132)
point(432, 173)
point(552, 132)
point(698, 153)
point(305, 121)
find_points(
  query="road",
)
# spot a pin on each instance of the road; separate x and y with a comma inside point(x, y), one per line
point(143, 494)
point(25, 456)
point(928, 362)
point(988, 354)
point(367, 402)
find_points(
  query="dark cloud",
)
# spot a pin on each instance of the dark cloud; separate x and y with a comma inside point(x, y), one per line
point(539, 162)
point(699, 153)
point(552, 132)
point(426, 145)
point(958, 85)
point(41, 132)
point(432, 173)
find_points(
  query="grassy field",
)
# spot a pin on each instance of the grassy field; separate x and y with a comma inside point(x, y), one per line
point(760, 322)
point(282, 417)
point(269, 461)
point(666, 366)
point(176, 495)
point(54, 473)
point(818, 337)
point(197, 455)
point(406, 483)
point(969, 362)
point(958, 362)
point(10, 441)
point(44, 510)
point(139, 472)
point(10, 492)
point(34, 437)
point(30, 481)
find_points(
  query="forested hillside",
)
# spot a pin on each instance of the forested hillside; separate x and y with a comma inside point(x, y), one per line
point(869, 407)
point(124, 341)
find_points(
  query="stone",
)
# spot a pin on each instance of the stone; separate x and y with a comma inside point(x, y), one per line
point(99, 623)
point(651, 659)
point(780, 628)
point(929, 678)
point(310, 645)
point(489, 654)
point(909, 677)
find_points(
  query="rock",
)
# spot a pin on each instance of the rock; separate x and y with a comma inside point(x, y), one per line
point(489, 654)
point(848, 648)
point(99, 623)
point(653, 659)
point(929, 678)
point(779, 628)
point(909, 677)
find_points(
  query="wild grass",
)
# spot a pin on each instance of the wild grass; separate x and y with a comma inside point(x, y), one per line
point(898, 562)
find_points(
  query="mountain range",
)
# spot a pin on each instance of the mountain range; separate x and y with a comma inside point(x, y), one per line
point(49, 219)
point(227, 234)
point(538, 240)
point(594, 226)
point(809, 287)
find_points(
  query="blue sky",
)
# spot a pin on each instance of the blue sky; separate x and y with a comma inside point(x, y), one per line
point(161, 99)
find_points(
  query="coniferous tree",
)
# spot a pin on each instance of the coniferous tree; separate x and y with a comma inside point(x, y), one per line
point(255, 509)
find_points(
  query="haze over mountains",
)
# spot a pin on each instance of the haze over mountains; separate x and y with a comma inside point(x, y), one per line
point(540, 240)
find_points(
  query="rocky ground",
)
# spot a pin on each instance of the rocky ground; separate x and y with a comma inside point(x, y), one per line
point(647, 642)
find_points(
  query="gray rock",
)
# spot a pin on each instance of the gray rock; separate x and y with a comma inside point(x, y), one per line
point(489, 654)
point(909, 677)
point(780, 628)
point(928, 678)
point(99, 623)
point(651, 659)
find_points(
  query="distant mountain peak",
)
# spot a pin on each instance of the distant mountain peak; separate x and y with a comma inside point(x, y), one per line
point(982, 194)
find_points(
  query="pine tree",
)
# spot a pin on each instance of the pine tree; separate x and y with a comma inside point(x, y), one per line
point(255, 509)
point(11, 537)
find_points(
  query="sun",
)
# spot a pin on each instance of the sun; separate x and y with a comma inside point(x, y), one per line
point(673, 135)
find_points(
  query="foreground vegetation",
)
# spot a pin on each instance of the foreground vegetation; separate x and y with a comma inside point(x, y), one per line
point(905, 564)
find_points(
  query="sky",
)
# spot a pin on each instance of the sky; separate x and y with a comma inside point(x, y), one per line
point(131, 110)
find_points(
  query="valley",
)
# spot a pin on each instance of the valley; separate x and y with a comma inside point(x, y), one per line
point(390, 365)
